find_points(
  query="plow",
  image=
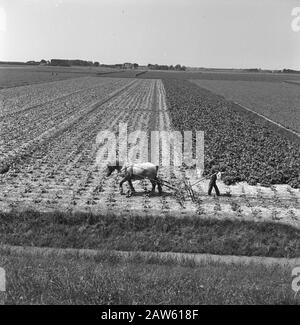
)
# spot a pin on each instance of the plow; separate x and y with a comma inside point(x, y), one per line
point(186, 187)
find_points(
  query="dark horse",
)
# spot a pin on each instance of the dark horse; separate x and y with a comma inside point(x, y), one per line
point(136, 172)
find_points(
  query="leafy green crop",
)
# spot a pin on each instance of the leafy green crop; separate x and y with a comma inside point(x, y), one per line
point(247, 146)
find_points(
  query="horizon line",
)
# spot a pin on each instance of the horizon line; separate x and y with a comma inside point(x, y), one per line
point(143, 65)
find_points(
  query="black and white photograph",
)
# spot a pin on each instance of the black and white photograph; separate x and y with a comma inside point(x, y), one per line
point(149, 155)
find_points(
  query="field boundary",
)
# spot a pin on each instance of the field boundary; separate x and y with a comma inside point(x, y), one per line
point(290, 134)
point(292, 82)
point(269, 120)
point(238, 107)
point(146, 255)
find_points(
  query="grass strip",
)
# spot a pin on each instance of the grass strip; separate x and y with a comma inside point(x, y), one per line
point(158, 234)
point(69, 280)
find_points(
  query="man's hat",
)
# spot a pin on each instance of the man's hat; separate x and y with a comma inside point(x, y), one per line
point(214, 168)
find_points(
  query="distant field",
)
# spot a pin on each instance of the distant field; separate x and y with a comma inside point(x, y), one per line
point(242, 76)
point(279, 102)
point(13, 76)
point(126, 74)
point(295, 82)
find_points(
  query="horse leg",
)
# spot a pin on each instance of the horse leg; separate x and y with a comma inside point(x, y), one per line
point(121, 185)
point(131, 186)
point(158, 186)
point(159, 189)
point(153, 186)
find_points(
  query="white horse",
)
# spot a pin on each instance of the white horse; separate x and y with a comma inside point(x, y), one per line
point(136, 172)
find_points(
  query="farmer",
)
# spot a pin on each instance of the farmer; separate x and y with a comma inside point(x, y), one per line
point(217, 174)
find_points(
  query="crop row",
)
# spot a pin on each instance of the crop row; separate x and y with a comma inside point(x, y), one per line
point(22, 128)
point(62, 171)
point(247, 147)
point(21, 99)
point(20, 76)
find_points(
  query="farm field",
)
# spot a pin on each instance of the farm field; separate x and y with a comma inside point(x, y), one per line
point(218, 75)
point(48, 134)
point(246, 145)
point(13, 76)
point(277, 101)
point(34, 113)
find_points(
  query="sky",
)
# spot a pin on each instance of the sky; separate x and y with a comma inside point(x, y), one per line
point(202, 33)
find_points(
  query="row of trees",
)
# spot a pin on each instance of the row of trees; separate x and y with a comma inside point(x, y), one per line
point(126, 65)
point(289, 71)
point(276, 71)
point(177, 67)
point(65, 63)
point(81, 63)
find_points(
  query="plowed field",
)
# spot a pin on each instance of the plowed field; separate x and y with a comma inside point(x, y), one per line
point(48, 134)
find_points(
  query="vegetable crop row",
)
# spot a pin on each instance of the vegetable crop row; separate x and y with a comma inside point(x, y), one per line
point(248, 148)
